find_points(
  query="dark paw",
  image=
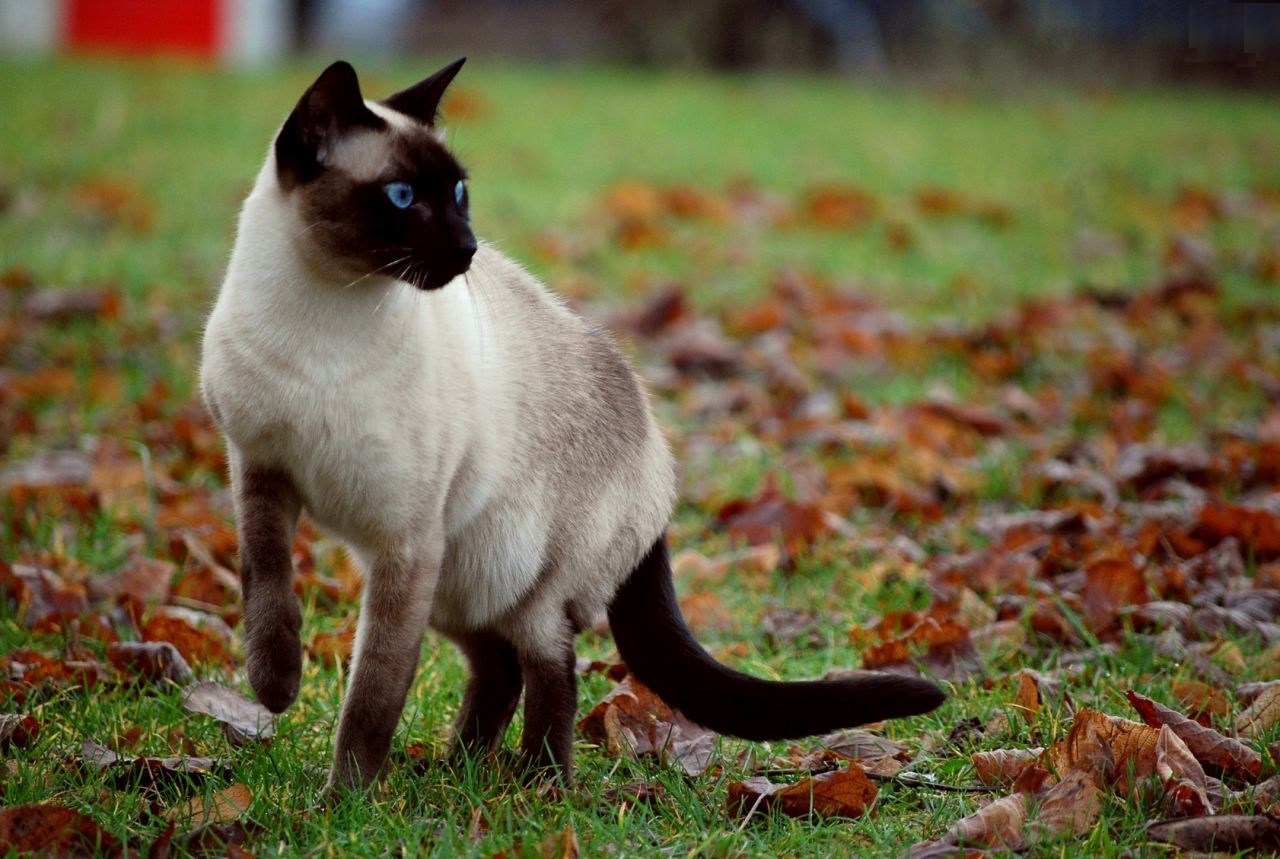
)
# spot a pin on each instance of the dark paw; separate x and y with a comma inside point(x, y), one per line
point(275, 668)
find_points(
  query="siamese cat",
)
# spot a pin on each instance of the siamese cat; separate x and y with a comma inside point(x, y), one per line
point(489, 457)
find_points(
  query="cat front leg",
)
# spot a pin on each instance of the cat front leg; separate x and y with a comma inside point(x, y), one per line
point(267, 509)
point(393, 618)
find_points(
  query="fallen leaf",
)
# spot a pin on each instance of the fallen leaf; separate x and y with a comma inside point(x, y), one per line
point(632, 720)
point(1112, 749)
point(44, 599)
point(940, 645)
point(1070, 807)
point(1214, 751)
point(1001, 767)
point(222, 806)
point(997, 825)
point(1261, 715)
point(200, 637)
point(1110, 585)
point(1184, 779)
point(560, 845)
point(18, 730)
point(841, 793)
point(146, 580)
point(1221, 833)
point(152, 660)
point(243, 721)
point(771, 516)
point(53, 830)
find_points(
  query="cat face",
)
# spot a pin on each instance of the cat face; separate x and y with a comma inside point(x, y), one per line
point(374, 186)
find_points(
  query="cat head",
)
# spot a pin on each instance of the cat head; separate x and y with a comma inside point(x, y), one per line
point(373, 183)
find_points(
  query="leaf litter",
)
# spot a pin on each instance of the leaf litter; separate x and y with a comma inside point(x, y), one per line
point(1099, 532)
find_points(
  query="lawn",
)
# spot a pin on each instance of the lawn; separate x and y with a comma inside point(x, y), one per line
point(957, 380)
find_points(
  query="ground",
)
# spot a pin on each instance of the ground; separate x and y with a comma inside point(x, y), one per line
point(878, 322)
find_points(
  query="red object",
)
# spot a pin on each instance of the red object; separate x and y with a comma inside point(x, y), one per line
point(190, 27)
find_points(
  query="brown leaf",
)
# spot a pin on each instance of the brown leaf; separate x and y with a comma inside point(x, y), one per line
point(998, 825)
point(1221, 833)
point(1110, 585)
point(44, 599)
point(18, 730)
point(771, 516)
point(1183, 777)
point(1257, 530)
point(1112, 749)
point(334, 647)
point(1070, 807)
point(243, 721)
point(222, 806)
point(1001, 767)
point(152, 660)
point(1261, 715)
point(1035, 690)
point(940, 645)
point(632, 720)
point(1214, 751)
point(857, 744)
point(53, 830)
point(146, 580)
point(841, 793)
point(126, 772)
point(560, 845)
point(199, 636)
point(219, 839)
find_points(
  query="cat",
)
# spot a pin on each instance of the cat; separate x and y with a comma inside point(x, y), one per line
point(489, 457)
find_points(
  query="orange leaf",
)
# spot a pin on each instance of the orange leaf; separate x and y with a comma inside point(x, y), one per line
point(841, 793)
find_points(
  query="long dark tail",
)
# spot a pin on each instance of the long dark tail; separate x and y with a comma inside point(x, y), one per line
point(660, 650)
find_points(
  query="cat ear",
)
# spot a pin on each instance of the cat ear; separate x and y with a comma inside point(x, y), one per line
point(422, 100)
point(331, 107)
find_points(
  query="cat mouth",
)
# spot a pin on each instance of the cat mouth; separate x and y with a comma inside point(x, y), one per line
point(442, 272)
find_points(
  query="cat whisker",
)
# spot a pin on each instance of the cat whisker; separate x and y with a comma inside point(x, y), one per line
point(375, 271)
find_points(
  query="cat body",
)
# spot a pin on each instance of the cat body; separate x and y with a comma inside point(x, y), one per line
point(488, 455)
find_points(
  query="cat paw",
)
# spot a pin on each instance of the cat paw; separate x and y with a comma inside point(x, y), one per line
point(275, 667)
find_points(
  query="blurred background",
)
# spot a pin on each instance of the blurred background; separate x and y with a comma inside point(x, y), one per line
point(1223, 41)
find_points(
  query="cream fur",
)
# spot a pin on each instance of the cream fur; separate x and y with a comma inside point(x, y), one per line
point(482, 443)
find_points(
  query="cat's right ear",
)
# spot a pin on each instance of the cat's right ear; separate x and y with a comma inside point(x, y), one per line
point(330, 108)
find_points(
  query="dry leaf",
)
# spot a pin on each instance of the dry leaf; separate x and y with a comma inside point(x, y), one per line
point(1070, 807)
point(1111, 749)
point(560, 845)
point(997, 825)
point(18, 730)
point(52, 830)
point(1221, 833)
point(632, 720)
point(224, 805)
point(1214, 751)
point(841, 793)
point(1183, 777)
point(1261, 715)
point(243, 721)
point(199, 636)
point(1001, 767)
point(152, 660)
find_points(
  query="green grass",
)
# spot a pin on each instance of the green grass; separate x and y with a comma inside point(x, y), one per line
point(186, 143)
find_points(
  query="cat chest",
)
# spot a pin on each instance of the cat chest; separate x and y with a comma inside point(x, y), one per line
point(352, 457)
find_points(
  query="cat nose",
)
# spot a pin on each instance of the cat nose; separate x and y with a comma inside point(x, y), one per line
point(466, 250)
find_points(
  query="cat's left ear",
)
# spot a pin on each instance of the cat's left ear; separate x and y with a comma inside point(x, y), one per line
point(422, 100)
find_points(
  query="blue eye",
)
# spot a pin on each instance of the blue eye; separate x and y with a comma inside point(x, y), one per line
point(400, 194)
point(460, 192)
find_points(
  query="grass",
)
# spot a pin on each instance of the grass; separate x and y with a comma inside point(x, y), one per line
point(176, 147)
